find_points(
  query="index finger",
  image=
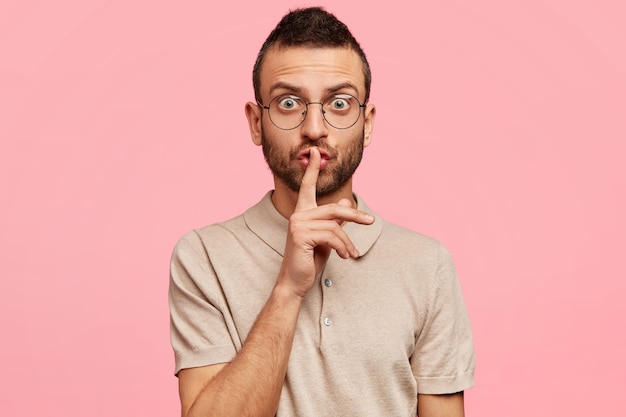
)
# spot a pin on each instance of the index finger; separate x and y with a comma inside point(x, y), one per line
point(308, 187)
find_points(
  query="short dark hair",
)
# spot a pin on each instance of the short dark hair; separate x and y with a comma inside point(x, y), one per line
point(314, 27)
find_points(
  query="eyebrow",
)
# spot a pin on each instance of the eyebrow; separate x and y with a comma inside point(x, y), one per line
point(285, 86)
point(297, 90)
point(342, 86)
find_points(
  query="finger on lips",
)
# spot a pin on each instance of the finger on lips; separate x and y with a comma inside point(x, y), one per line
point(307, 195)
point(307, 209)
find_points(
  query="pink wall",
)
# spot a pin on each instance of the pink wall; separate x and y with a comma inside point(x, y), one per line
point(501, 130)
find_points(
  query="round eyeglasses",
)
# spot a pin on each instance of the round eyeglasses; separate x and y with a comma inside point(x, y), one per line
point(287, 111)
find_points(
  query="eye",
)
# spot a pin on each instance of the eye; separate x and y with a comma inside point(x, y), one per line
point(340, 102)
point(289, 102)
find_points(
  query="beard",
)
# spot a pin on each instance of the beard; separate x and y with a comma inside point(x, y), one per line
point(330, 179)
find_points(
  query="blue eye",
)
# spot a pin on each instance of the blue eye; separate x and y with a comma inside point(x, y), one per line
point(341, 102)
point(288, 103)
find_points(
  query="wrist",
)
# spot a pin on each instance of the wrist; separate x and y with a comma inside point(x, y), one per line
point(286, 294)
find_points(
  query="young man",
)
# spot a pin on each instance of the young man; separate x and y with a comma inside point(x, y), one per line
point(309, 304)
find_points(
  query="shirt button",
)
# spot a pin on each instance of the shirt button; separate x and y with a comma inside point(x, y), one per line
point(328, 282)
point(328, 321)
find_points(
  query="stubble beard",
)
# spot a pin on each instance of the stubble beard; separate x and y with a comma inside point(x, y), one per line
point(330, 178)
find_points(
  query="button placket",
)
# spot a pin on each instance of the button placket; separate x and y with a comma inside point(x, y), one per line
point(327, 320)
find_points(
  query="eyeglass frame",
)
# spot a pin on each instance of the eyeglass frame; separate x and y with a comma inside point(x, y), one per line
point(306, 110)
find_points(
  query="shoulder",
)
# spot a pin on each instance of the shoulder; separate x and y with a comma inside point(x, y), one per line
point(196, 240)
point(234, 228)
point(397, 240)
point(410, 242)
point(422, 259)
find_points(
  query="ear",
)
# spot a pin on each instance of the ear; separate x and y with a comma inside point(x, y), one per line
point(253, 114)
point(368, 127)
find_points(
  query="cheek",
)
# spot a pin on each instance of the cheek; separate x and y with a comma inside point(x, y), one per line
point(280, 150)
point(350, 142)
point(275, 139)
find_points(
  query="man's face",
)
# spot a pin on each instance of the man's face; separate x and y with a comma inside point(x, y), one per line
point(313, 74)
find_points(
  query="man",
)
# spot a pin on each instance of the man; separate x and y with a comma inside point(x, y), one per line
point(309, 304)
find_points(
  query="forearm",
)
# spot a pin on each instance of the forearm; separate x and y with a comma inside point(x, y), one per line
point(251, 384)
point(445, 405)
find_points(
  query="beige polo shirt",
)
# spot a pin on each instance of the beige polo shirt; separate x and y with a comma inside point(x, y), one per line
point(373, 332)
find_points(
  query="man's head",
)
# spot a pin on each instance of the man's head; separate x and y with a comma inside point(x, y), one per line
point(310, 27)
point(311, 84)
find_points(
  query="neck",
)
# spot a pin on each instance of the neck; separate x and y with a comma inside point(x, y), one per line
point(285, 199)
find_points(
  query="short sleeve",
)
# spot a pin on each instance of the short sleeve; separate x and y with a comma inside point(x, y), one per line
point(443, 361)
point(199, 328)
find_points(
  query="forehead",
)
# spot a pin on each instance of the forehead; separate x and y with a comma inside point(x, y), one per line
point(311, 70)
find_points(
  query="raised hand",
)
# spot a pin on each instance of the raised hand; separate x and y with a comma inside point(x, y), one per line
point(314, 231)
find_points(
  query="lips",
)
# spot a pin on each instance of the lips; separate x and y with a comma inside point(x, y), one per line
point(304, 157)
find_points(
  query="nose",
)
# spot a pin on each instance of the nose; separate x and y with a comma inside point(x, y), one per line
point(314, 127)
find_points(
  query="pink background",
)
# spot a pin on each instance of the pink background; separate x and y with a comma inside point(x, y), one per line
point(501, 131)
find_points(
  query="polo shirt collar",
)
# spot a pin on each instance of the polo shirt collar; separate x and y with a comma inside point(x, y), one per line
point(271, 227)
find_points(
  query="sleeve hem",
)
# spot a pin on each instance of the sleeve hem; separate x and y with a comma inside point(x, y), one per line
point(445, 385)
point(203, 357)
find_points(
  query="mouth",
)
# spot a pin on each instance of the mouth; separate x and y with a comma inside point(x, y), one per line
point(305, 155)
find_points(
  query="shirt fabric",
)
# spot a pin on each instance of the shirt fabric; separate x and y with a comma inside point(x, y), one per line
point(372, 333)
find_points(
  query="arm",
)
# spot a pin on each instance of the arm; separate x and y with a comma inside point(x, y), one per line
point(251, 384)
point(443, 361)
point(446, 405)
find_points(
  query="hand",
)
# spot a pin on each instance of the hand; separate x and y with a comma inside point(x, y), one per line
point(314, 231)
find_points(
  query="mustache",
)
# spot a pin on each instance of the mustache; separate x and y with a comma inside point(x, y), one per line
point(319, 144)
